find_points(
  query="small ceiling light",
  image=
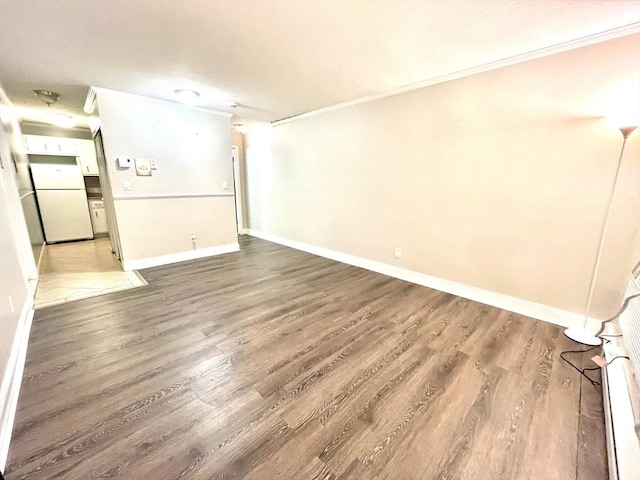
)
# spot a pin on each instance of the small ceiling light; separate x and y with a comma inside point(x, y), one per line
point(47, 96)
point(187, 96)
point(61, 120)
point(241, 127)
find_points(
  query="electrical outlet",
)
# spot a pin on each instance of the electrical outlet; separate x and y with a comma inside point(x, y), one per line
point(143, 167)
point(398, 252)
point(193, 237)
point(225, 186)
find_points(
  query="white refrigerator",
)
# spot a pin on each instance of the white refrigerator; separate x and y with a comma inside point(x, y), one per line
point(62, 199)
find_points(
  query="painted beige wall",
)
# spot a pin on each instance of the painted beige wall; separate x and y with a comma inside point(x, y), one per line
point(498, 180)
point(192, 148)
point(143, 225)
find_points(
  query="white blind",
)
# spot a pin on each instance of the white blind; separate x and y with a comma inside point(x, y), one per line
point(630, 326)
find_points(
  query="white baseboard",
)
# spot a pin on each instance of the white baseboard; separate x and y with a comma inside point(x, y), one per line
point(12, 379)
point(539, 311)
point(179, 257)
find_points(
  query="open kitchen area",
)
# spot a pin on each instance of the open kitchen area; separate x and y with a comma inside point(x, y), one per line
point(75, 270)
point(68, 221)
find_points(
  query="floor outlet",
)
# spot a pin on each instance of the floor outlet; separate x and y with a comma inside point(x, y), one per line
point(398, 253)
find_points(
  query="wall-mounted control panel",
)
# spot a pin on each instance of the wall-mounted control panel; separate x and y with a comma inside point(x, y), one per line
point(143, 166)
point(124, 162)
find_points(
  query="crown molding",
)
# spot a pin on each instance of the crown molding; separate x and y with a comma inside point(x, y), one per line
point(505, 62)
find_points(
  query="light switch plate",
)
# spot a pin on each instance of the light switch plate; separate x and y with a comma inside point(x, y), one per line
point(143, 167)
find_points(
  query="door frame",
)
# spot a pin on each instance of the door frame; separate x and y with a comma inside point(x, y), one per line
point(237, 189)
point(107, 196)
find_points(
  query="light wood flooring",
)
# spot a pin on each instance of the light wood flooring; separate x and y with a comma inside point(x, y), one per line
point(76, 270)
point(271, 363)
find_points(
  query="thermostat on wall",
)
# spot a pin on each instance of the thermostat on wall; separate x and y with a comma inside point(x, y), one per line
point(124, 162)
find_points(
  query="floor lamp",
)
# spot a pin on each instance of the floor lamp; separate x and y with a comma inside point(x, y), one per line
point(583, 334)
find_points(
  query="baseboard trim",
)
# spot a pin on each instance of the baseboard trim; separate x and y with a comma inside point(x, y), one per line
point(12, 380)
point(538, 311)
point(143, 263)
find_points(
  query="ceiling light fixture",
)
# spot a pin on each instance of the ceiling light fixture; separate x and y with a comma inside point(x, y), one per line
point(187, 96)
point(61, 120)
point(47, 96)
point(241, 127)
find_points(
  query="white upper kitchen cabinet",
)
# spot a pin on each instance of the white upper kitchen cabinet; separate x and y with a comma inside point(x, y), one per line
point(84, 150)
point(87, 156)
point(50, 145)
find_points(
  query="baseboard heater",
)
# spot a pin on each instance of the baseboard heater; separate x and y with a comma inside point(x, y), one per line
point(621, 391)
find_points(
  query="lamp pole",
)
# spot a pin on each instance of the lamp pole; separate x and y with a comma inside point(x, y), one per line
point(583, 335)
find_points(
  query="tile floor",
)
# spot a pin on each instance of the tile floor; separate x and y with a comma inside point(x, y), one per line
point(75, 270)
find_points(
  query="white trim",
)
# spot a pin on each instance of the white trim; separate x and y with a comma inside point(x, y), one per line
point(177, 195)
point(179, 257)
point(237, 187)
point(505, 62)
point(495, 299)
point(12, 379)
point(244, 231)
point(116, 93)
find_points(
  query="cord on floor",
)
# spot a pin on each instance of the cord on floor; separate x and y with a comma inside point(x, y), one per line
point(584, 370)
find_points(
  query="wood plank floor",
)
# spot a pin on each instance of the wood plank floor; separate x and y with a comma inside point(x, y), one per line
point(271, 363)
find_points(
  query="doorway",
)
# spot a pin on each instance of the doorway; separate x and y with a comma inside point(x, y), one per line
point(107, 196)
point(75, 270)
point(80, 269)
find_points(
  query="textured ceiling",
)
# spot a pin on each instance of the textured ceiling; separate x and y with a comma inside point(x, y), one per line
point(274, 58)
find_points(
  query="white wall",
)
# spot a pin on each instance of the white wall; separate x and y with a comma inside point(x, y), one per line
point(17, 266)
point(496, 181)
point(192, 148)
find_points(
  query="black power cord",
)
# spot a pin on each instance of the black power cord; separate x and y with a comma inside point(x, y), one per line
point(584, 370)
point(581, 371)
point(635, 271)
